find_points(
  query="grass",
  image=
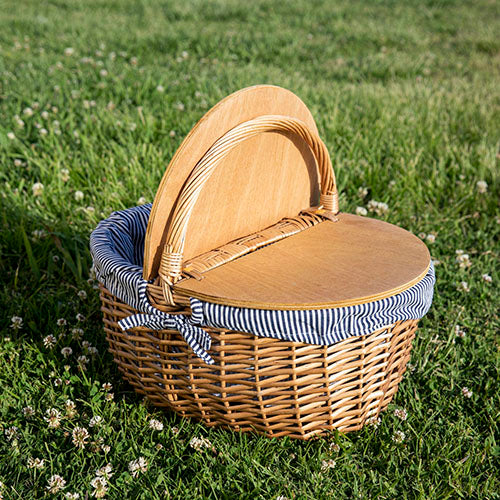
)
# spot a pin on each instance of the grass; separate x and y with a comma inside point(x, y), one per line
point(406, 97)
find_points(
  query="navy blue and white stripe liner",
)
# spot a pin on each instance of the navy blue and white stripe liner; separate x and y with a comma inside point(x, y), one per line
point(117, 247)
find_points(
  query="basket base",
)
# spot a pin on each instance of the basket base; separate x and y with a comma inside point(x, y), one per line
point(264, 385)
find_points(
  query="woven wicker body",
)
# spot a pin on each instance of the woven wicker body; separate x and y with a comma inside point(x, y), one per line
point(269, 386)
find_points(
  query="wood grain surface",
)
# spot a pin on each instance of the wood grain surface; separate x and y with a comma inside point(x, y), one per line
point(333, 264)
point(267, 178)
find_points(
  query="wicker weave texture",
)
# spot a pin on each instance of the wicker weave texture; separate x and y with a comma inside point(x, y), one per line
point(273, 387)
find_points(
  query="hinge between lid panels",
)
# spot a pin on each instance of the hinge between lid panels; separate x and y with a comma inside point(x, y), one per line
point(289, 226)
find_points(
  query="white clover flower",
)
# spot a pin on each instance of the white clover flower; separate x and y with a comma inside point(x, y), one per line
point(463, 287)
point(462, 259)
point(175, 431)
point(16, 322)
point(43, 131)
point(378, 207)
point(328, 464)
point(362, 192)
point(361, 211)
point(70, 408)
point(36, 105)
point(36, 463)
point(64, 175)
point(172, 133)
point(401, 413)
point(141, 200)
point(49, 341)
point(199, 443)
point(11, 433)
point(334, 447)
point(180, 106)
point(487, 278)
point(106, 448)
point(95, 420)
point(66, 351)
point(160, 88)
point(72, 496)
point(69, 51)
point(459, 332)
point(466, 392)
point(100, 487)
point(155, 425)
point(482, 187)
point(383, 208)
point(398, 437)
point(19, 123)
point(107, 387)
point(93, 351)
point(106, 471)
point(133, 61)
point(83, 360)
point(37, 189)
point(80, 317)
point(17, 162)
point(27, 112)
point(103, 73)
point(430, 238)
point(76, 333)
point(28, 411)
point(61, 322)
point(45, 115)
point(39, 234)
point(78, 196)
point(132, 126)
point(109, 396)
point(57, 382)
point(436, 262)
point(80, 436)
point(53, 418)
point(373, 421)
point(82, 294)
point(138, 466)
point(11, 136)
point(56, 484)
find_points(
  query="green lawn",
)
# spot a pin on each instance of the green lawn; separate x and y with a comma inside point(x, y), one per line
point(95, 97)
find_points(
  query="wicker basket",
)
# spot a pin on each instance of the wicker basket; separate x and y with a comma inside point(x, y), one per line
point(269, 385)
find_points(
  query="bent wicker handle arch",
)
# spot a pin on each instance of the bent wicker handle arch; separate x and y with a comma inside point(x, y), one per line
point(171, 261)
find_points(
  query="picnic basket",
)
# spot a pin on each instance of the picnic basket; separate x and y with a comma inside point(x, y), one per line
point(243, 297)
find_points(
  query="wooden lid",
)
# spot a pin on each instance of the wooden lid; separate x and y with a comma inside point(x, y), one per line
point(333, 264)
point(264, 179)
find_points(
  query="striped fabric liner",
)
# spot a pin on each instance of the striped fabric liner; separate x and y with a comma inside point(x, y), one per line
point(117, 246)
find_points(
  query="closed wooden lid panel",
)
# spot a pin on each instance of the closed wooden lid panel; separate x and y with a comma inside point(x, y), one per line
point(333, 264)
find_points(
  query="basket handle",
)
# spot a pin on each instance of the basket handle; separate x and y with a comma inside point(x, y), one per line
point(171, 261)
